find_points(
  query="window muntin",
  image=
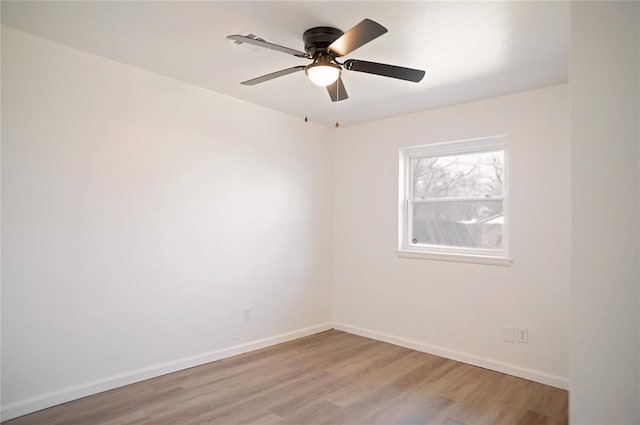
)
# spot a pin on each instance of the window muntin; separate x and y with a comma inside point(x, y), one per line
point(453, 198)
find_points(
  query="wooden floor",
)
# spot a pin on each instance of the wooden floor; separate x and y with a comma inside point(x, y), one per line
point(329, 378)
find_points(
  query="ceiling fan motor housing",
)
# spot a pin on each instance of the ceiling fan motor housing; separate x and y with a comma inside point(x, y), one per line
point(318, 39)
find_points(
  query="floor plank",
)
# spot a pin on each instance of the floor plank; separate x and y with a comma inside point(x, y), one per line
point(329, 378)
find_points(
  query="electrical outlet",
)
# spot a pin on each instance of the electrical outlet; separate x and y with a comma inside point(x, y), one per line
point(523, 335)
point(508, 334)
point(246, 314)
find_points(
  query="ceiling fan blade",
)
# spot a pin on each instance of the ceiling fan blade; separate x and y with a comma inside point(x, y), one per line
point(337, 91)
point(273, 75)
point(357, 36)
point(260, 42)
point(385, 70)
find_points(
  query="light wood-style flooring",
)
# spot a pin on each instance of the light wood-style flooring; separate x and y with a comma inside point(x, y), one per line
point(329, 378)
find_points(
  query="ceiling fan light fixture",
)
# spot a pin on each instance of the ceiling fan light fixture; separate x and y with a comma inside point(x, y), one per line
point(324, 45)
point(323, 73)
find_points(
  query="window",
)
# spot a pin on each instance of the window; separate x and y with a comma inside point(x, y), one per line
point(453, 200)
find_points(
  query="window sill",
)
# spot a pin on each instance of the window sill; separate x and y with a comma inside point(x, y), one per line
point(458, 258)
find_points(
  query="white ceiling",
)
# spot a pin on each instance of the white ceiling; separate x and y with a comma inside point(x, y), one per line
point(470, 50)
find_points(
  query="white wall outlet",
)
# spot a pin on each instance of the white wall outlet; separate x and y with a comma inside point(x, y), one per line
point(246, 314)
point(523, 335)
point(508, 334)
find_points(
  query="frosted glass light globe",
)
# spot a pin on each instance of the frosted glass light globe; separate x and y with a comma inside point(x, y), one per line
point(323, 74)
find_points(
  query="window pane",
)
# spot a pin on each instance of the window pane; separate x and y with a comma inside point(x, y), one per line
point(459, 176)
point(468, 224)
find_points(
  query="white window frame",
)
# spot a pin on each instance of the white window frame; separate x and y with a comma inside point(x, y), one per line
point(449, 253)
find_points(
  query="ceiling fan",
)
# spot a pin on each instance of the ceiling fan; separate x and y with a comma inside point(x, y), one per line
point(324, 45)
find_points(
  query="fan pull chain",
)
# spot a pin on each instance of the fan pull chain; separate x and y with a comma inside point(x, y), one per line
point(306, 107)
point(337, 100)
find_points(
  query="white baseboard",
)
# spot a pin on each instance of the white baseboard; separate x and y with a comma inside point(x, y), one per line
point(521, 372)
point(43, 401)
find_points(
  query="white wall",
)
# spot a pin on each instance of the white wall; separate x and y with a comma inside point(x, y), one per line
point(604, 101)
point(455, 309)
point(140, 215)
